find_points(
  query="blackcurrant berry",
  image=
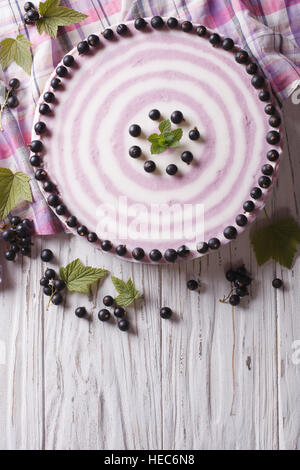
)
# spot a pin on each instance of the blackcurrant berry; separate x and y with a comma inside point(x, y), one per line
point(108, 33)
point(267, 169)
point(234, 300)
point(170, 255)
point(228, 44)
point(50, 273)
point(121, 250)
point(93, 40)
point(80, 312)
point(55, 83)
point(35, 160)
point(25, 241)
point(44, 109)
point(53, 200)
point(186, 26)
point(46, 255)
point(248, 206)
point(242, 57)
point(33, 15)
point(12, 101)
point(59, 284)
point(214, 39)
point(135, 151)
point(154, 114)
point(230, 232)
point(275, 121)
point(241, 220)
point(202, 247)
point(264, 182)
point(183, 251)
point(192, 284)
point(104, 315)
point(61, 209)
point(15, 220)
point(21, 231)
point(29, 6)
point(40, 127)
point(92, 237)
point(61, 71)
point(15, 247)
point(264, 95)
point(36, 146)
point(176, 117)
point(140, 23)
point(10, 255)
point(27, 20)
point(106, 245)
point(214, 243)
point(49, 97)
point(27, 224)
point(44, 281)
point(47, 290)
point(277, 283)
point(123, 324)
point(122, 29)
point(187, 157)
point(149, 166)
point(57, 299)
point(26, 251)
point(82, 230)
point(171, 169)
point(155, 255)
point(165, 313)
point(258, 81)
point(48, 187)
point(68, 60)
point(270, 109)
point(252, 68)
point(83, 47)
point(138, 253)
point(201, 30)
point(157, 22)
point(230, 275)
point(8, 235)
point(119, 312)
point(194, 134)
point(256, 193)
point(72, 221)
point(242, 291)
point(40, 175)
point(172, 22)
point(273, 155)
point(108, 301)
point(135, 130)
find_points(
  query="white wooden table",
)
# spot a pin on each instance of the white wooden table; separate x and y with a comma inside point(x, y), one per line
point(214, 377)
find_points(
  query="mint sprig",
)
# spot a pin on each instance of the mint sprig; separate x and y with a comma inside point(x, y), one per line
point(166, 139)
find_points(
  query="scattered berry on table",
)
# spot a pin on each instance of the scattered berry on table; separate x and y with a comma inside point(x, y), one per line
point(80, 312)
point(108, 301)
point(277, 283)
point(192, 284)
point(46, 255)
point(123, 324)
point(104, 315)
point(165, 313)
point(57, 299)
point(50, 273)
point(119, 312)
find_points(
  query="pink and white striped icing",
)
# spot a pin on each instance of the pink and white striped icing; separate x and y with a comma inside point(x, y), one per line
point(114, 86)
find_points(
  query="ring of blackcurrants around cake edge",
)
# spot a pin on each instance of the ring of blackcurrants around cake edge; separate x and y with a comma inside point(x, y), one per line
point(258, 82)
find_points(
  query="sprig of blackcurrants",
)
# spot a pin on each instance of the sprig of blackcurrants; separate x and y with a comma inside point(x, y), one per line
point(240, 281)
point(52, 286)
point(18, 235)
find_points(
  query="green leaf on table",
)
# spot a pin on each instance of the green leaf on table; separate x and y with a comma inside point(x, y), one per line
point(79, 278)
point(17, 50)
point(278, 241)
point(14, 187)
point(53, 15)
point(127, 293)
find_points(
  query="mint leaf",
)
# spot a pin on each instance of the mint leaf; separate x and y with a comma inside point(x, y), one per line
point(153, 138)
point(127, 293)
point(156, 148)
point(165, 126)
point(13, 188)
point(17, 50)
point(53, 15)
point(278, 240)
point(79, 278)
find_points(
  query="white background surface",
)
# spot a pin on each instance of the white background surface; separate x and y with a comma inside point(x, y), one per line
point(214, 377)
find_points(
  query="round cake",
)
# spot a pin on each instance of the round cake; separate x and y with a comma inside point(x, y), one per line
point(157, 141)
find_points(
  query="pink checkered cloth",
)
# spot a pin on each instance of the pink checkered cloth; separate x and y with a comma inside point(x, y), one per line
point(268, 29)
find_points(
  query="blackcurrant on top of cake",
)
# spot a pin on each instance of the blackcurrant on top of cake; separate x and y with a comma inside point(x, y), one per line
point(156, 140)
